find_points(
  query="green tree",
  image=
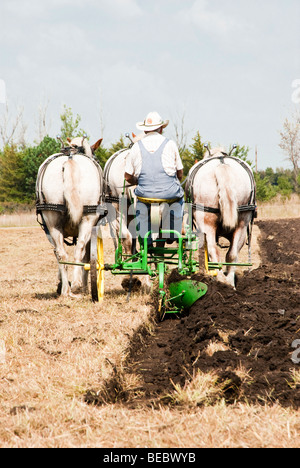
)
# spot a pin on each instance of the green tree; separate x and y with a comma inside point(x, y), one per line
point(33, 157)
point(117, 146)
point(197, 147)
point(69, 124)
point(103, 154)
point(242, 152)
point(271, 175)
point(194, 153)
point(285, 186)
point(264, 189)
point(12, 176)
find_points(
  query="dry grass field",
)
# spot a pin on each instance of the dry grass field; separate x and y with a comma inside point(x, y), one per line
point(55, 351)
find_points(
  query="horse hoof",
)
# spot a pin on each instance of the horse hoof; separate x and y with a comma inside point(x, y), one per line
point(75, 296)
point(76, 289)
point(59, 289)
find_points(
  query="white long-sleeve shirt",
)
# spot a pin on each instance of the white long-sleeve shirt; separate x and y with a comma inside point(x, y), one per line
point(171, 159)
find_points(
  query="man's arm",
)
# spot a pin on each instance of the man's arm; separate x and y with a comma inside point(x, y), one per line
point(131, 179)
point(180, 174)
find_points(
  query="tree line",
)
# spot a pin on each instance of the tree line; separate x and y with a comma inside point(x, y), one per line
point(19, 164)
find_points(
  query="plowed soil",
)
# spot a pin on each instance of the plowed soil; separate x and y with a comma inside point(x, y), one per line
point(256, 324)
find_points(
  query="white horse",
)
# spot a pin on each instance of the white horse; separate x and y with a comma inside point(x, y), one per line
point(222, 190)
point(69, 188)
point(114, 171)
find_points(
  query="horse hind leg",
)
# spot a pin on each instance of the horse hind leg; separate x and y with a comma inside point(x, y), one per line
point(238, 240)
point(212, 250)
point(85, 274)
point(54, 222)
point(79, 283)
point(61, 256)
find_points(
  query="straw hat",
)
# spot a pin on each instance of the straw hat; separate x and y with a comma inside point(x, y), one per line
point(152, 122)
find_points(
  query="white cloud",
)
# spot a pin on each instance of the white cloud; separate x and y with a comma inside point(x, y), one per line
point(134, 92)
point(31, 9)
point(25, 9)
point(237, 56)
point(67, 42)
point(210, 20)
point(123, 8)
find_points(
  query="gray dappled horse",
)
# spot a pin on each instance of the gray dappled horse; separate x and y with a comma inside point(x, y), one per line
point(114, 186)
point(222, 190)
point(68, 189)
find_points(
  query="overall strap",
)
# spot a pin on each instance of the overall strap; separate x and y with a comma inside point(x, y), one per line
point(160, 149)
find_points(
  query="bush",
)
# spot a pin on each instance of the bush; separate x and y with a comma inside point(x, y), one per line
point(12, 176)
point(285, 186)
point(19, 168)
point(33, 157)
point(265, 191)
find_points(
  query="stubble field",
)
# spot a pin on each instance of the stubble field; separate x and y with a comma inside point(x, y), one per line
point(78, 374)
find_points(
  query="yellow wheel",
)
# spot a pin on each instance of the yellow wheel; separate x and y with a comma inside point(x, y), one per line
point(97, 265)
point(161, 308)
point(205, 254)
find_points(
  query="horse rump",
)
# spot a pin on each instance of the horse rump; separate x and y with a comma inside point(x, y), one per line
point(227, 196)
point(71, 184)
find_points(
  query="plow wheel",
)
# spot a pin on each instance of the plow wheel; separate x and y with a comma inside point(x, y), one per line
point(97, 265)
point(162, 294)
point(206, 260)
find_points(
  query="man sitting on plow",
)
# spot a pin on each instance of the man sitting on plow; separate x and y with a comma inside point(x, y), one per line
point(155, 167)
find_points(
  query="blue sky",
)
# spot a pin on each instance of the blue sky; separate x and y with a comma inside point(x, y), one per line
point(227, 65)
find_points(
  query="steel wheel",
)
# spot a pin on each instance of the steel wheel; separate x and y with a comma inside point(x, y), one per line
point(97, 265)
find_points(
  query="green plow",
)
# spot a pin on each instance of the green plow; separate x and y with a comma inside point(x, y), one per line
point(184, 293)
point(157, 262)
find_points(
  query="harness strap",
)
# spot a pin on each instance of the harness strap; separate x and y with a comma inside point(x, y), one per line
point(41, 173)
point(107, 168)
point(192, 175)
point(111, 199)
point(40, 207)
point(44, 227)
point(208, 209)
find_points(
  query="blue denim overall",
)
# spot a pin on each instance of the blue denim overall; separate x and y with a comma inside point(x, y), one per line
point(154, 182)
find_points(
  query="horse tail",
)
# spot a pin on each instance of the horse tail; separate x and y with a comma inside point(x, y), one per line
point(71, 180)
point(227, 196)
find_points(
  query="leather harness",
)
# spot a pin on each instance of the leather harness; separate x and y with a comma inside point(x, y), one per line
point(251, 206)
point(107, 188)
point(43, 205)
